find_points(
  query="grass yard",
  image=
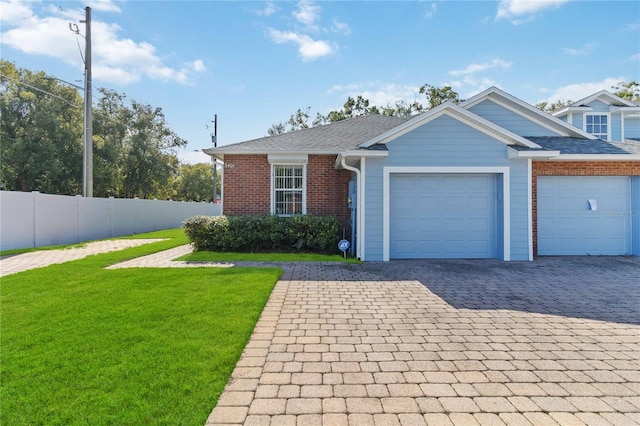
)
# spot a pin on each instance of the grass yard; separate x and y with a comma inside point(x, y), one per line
point(84, 345)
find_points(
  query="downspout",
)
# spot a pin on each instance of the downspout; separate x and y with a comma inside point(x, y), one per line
point(359, 207)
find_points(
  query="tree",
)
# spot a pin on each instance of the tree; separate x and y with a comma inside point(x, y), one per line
point(629, 91)
point(352, 108)
point(439, 95)
point(298, 120)
point(42, 147)
point(136, 148)
point(360, 106)
point(402, 109)
point(554, 106)
point(41, 133)
point(194, 182)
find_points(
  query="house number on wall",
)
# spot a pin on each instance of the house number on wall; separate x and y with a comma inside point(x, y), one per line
point(229, 165)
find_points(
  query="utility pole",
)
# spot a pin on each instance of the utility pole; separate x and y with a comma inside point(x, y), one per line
point(87, 189)
point(214, 140)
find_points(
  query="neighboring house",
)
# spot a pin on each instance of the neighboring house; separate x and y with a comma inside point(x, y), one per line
point(605, 116)
point(492, 177)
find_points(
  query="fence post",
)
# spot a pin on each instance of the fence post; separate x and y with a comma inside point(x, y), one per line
point(79, 218)
point(110, 216)
point(35, 218)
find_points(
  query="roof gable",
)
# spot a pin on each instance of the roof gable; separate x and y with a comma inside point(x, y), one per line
point(457, 113)
point(606, 97)
point(526, 110)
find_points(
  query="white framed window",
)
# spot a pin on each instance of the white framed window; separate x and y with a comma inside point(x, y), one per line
point(597, 125)
point(288, 189)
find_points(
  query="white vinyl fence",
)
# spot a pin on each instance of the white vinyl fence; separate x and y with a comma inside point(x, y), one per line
point(32, 219)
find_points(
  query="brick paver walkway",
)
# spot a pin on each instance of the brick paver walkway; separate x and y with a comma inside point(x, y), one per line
point(38, 259)
point(553, 342)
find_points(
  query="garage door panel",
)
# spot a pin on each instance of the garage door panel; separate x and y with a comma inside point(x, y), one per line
point(449, 203)
point(567, 225)
point(479, 225)
point(453, 216)
point(478, 247)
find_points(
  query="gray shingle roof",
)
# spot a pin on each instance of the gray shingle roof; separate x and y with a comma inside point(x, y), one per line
point(568, 145)
point(329, 138)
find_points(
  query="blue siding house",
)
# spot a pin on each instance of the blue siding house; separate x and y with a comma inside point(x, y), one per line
point(604, 115)
point(491, 177)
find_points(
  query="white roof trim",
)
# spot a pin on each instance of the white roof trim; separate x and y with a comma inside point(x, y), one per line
point(221, 151)
point(596, 157)
point(569, 109)
point(532, 113)
point(514, 153)
point(625, 109)
point(359, 153)
point(458, 113)
point(364, 153)
point(288, 158)
point(606, 97)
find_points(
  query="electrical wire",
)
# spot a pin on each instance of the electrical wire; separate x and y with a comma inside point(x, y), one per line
point(52, 94)
point(41, 90)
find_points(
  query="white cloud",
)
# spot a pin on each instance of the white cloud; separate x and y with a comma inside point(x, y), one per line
point(115, 75)
point(13, 11)
point(584, 50)
point(114, 59)
point(520, 11)
point(431, 11)
point(468, 83)
point(268, 10)
point(378, 93)
point(307, 13)
point(577, 91)
point(475, 68)
point(198, 65)
point(340, 27)
point(308, 48)
point(306, 17)
point(103, 5)
point(239, 88)
point(630, 27)
point(193, 157)
point(635, 57)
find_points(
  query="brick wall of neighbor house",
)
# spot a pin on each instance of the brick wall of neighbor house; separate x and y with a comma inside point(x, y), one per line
point(247, 186)
point(574, 168)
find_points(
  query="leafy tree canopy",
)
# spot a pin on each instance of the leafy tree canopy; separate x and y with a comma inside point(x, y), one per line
point(42, 145)
point(629, 91)
point(359, 106)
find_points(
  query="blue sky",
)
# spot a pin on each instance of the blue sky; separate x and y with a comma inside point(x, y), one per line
point(255, 63)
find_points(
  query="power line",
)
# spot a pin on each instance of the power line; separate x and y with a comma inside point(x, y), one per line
point(41, 90)
point(55, 96)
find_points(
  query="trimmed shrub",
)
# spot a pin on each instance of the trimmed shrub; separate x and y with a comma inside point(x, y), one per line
point(264, 233)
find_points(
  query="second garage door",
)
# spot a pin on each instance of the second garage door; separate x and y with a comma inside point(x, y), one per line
point(443, 216)
point(569, 224)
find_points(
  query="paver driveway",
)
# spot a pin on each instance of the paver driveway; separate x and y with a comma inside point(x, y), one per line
point(555, 341)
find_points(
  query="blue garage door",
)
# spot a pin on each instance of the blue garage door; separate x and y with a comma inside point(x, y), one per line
point(443, 216)
point(568, 224)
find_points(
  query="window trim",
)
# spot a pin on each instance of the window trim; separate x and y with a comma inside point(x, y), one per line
point(275, 164)
point(591, 114)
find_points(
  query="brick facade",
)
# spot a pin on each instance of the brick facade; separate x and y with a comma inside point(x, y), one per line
point(247, 186)
point(574, 168)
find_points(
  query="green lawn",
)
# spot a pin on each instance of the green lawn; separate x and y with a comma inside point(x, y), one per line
point(84, 345)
